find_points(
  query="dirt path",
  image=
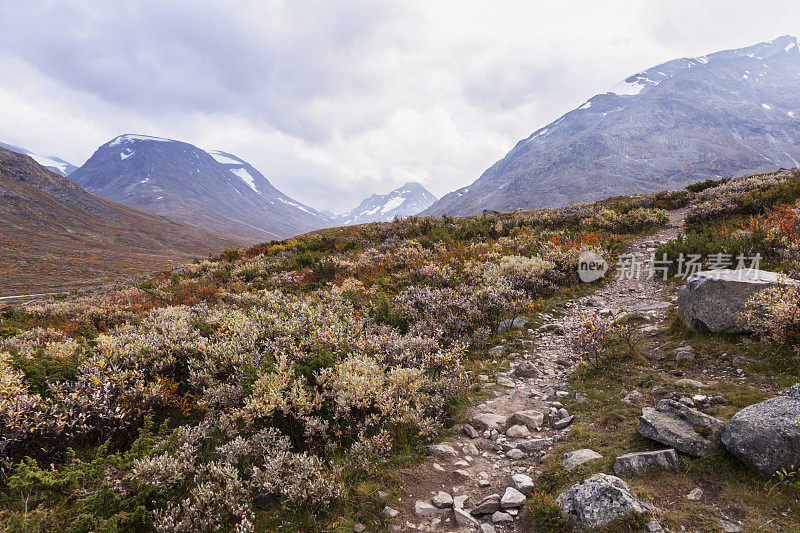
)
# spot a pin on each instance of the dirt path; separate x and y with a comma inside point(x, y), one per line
point(470, 469)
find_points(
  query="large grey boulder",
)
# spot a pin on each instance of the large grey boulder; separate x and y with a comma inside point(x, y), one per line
point(638, 463)
point(681, 427)
point(598, 500)
point(712, 300)
point(766, 436)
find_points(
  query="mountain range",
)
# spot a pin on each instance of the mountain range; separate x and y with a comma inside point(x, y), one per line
point(54, 235)
point(50, 162)
point(178, 180)
point(729, 113)
point(404, 201)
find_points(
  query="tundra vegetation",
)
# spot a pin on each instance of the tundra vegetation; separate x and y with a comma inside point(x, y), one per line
point(285, 382)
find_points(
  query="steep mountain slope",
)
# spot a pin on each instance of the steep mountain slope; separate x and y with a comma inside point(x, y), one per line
point(180, 181)
point(56, 236)
point(733, 112)
point(410, 199)
point(50, 162)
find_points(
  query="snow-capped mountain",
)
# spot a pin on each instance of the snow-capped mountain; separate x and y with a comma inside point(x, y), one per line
point(50, 162)
point(733, 112)
point(410, 199)
point(180, 181)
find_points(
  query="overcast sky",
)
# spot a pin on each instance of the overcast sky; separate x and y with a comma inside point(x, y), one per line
point(335, 100)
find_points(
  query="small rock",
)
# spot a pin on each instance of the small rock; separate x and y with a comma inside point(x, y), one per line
point(442, 500)
point(506, 382)
point(441, 450)
point(518, 432)
point(487, 528)
point(512, 499)
point(483, 377)
point(462, 473)
point(633, 397)
point(499, 517)
point(470, 431)
point(459, 501)
point(359, 528)
point(488, 505)
point(523, 483)
point(425, 509)
point(389, 513)
point(691, 382)
point(598, 500)
point(531, 419)
point(437, 466)
point(535, 445)
point(515, 454)
point(636, 464)
point(488, 421)
point(695, 495)
point(729, 527)
point(564, 422)
point(681, 427)
point(463, 518)
point(526, 369)
point(578, 457)
point(497, 351)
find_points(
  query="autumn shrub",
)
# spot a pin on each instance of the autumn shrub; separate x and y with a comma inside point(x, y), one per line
point(601, 345)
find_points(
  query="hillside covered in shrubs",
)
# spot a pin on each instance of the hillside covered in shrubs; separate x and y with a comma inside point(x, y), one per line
point(272, 384)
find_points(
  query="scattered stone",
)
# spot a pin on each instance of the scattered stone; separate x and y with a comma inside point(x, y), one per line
point(470, 431)
point(437, 466)
point(535, 445)
point(389, 513)
point(681, 427)
point(691, 382)
point(488, 421)
point(523, 483)
point(531, 419)
point(506, 382)
point(441, 450)
point(499, 517)
point(512, 499)
point(598, 500)
point(359, 528)
point(518, 432)
point(425, 509)
point(488, 505)
point(633, 397)
point(515, 454)
point(497, 350)
point(766, 435)
point(695, 495)
point(555, 329)
point(442, 500)
point(652, 526)
point(483, 377)
point(638, 463)
point(712, 300)
point(487, 528)
point(526, 369)
point(463, 518)
point(578, 457)
point(459, 501)
point(684, 353)
point(517, 323)
point(728, 527)
point(462, 473)
point(564, 422)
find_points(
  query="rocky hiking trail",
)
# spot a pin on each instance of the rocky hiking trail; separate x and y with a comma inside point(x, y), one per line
point(477, 479)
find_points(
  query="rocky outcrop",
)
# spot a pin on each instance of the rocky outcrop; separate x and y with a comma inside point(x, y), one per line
point(766, 436)
point(637, 464)
point(598, 500)
point(681, 427)
point(712, 300)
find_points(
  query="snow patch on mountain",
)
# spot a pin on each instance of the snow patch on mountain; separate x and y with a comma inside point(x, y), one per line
point(404, 201)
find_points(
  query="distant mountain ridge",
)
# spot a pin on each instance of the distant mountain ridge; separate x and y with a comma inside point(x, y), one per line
point(178, 180)
point(50, 162)
point(734, 112)
point(410, 199)
point(54, 235)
